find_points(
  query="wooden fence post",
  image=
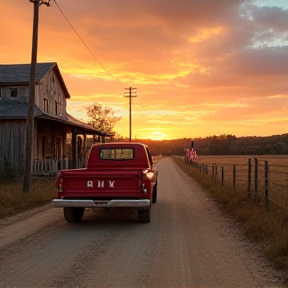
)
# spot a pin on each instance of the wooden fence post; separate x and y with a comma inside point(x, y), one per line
point(267, 203)
point(256, 177)
point(234, 176)
point(222, 175)
point(249, 178)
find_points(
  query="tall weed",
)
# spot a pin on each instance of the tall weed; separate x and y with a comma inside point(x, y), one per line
point(13, 200)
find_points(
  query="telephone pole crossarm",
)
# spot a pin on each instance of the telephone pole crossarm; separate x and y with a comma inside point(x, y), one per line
point(40, 2)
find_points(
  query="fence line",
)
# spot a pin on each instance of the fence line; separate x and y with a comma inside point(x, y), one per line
point(261, 181)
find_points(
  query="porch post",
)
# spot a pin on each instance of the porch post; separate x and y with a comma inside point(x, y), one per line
point(85, 147)
point(74, 148)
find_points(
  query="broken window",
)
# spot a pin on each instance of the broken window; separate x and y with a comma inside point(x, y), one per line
point(13, 92)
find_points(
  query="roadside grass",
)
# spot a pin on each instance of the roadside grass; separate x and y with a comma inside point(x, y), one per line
point(269, 229)
point(13, 200)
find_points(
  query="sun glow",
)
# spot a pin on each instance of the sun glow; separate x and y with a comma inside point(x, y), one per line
point(157, 135)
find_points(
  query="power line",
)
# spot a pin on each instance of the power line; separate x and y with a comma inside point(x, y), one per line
point(86, 45)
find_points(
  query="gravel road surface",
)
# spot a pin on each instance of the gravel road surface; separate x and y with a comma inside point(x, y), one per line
point(189, 243)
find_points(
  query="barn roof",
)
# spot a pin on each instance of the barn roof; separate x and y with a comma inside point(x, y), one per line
point(19, 74)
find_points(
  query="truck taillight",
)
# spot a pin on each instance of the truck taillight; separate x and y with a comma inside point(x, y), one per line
point(148, 175)
point(59, 184)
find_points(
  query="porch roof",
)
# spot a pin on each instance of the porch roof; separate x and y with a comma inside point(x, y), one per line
point(71, 121)
point(18, 111)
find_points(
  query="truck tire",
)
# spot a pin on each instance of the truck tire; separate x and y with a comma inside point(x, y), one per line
point(144, 215)
point(73, 214)
point(154, 193)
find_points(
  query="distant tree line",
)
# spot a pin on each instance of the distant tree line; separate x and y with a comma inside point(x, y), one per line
point(222, 145)
point(104, 119)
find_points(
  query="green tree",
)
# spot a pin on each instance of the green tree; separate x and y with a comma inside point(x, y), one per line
point(102, 118)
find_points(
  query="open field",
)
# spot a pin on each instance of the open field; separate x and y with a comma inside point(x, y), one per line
point(277, 174)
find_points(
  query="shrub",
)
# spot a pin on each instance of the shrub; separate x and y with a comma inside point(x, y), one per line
point(9, 173)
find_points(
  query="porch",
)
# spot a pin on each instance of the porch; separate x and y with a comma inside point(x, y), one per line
point(50, 167)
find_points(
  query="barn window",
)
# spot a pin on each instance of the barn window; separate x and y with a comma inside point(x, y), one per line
point(13, 92)
point(46, 105)
point(57, 108)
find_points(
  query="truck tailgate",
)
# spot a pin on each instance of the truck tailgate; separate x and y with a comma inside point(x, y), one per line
point(102, 184)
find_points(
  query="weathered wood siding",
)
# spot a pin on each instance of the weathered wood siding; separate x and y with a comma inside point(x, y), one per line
point(49, 88)
point(12, 138)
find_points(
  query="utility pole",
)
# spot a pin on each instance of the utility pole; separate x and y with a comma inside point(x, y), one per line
point(132, 92)
point(30, 115)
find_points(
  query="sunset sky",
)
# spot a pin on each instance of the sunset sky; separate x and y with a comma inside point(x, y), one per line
point(201, 68)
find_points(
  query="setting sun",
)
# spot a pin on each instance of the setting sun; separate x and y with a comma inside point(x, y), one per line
point(158, 136)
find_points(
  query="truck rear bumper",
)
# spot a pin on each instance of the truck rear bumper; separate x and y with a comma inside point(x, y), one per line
point(141, 203)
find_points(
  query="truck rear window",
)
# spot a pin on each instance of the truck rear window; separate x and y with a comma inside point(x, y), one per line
point(116, 154)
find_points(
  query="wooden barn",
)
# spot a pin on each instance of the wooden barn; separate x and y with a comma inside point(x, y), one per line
point(60, 141)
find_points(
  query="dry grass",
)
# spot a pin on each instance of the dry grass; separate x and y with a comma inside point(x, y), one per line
point(268, 228)
point(13, 200)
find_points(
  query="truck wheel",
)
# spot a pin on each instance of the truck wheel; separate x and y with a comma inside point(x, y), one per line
point(144, 215)
point(154, 193)
point(73, 214)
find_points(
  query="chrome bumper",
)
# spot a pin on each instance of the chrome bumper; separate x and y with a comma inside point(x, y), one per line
point(142, 203)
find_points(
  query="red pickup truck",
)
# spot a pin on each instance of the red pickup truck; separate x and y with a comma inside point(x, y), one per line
point(118, 175)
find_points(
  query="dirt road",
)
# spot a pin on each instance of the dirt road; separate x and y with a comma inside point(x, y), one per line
point(189, 243)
